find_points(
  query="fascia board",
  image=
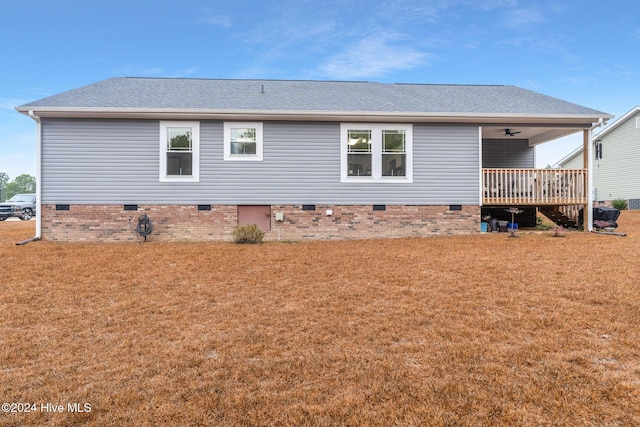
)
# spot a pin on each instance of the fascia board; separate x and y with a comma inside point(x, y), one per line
point(579, 120)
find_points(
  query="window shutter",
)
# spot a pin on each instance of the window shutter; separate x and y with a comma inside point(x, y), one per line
point(598, 150)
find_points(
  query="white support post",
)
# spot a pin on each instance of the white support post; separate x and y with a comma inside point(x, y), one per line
point(588, 160)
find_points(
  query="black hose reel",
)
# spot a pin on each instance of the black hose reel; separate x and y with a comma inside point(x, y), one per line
point(144, 227)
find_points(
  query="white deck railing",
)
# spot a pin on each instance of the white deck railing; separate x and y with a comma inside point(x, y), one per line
point(534, 186)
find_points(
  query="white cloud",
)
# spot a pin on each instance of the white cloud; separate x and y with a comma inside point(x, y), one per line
point(282, 39)
point(495, 4)
point(433, 12)
point(217, 20)
point(522, 18)
point(213, 17)
point(405, 11)
point(373, 56)
point(617, 72)
point(578, 80)
point(304, 32)
point(11, 104)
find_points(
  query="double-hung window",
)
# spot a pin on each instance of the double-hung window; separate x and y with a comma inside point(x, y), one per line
point(359, 152)
point(243, 141)
point(179, 151)
point(374, 153)
point(394, 153)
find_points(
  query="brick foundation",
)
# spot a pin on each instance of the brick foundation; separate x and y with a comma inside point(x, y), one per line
point(187, 223)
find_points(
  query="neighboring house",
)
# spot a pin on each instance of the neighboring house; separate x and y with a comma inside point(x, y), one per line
point(615, 153)
point(302, 159)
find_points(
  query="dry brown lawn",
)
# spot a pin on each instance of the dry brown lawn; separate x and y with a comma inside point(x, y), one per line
point(458, 331)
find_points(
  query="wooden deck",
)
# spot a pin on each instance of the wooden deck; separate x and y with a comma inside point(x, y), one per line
point(534, 187)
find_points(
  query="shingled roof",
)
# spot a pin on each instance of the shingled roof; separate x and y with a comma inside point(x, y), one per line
point(304, 97)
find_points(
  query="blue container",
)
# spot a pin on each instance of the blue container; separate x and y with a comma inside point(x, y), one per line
point(483, 227)
point(512, 226)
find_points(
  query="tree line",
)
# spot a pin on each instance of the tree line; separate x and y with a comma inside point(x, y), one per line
point(24, 183)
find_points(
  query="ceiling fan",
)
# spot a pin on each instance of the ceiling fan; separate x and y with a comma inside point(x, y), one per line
point(508, 132)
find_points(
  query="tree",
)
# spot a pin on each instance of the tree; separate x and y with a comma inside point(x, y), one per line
point(24, 183)
point(4, 178)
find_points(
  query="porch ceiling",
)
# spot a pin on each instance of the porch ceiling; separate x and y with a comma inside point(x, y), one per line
point(533, 134)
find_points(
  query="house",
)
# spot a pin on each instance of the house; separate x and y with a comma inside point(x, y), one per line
point(616, 150)
point(302, 159)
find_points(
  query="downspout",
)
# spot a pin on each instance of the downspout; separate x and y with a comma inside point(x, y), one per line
point(481, 173)
point(589, 208)
point(38, 175)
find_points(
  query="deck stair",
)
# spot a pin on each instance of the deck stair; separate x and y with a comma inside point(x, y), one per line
point(555, 215)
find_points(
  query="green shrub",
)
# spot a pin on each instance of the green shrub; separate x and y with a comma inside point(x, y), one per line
point(248, 233)
point(620, 204)
point(541, 225)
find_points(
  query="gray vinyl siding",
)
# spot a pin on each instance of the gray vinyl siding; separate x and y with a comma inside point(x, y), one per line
point(91, 161)
point(507, 153)
point(446, 164)
point(617, 175)
point(87, 161)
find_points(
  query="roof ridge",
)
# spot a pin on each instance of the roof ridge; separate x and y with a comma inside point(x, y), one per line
point(245, 80)
point(453, 84)
point(312, 81)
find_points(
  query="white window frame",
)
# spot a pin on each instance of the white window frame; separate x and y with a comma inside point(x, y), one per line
point(376, 152)
point(195, 151)
point(228, 126)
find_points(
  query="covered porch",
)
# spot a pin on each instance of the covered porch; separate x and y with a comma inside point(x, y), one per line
point(509, 178)
point(559, 194)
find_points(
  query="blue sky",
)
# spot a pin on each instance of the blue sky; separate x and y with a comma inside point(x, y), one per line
point(583, 51)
